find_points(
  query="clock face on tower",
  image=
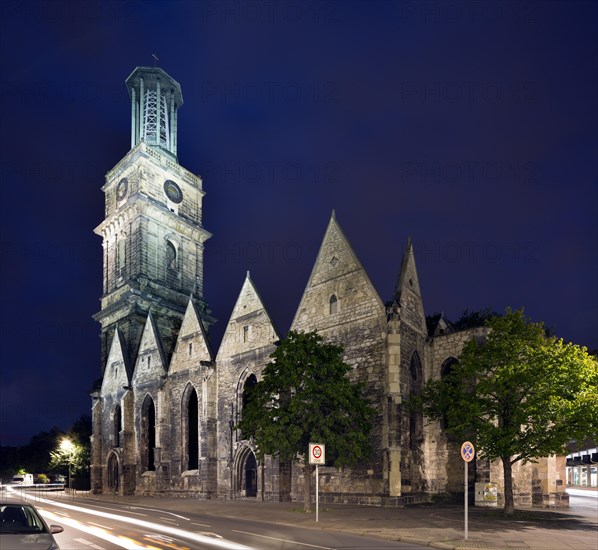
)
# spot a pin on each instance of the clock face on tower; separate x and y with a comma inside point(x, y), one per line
point(122, 188)
point(173, 191)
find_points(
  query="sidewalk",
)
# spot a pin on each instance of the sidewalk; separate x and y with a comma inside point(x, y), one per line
point(428, 525)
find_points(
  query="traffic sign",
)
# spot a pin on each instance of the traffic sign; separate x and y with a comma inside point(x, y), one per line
point(317, 454)
point(467, 451)
point(467, 454)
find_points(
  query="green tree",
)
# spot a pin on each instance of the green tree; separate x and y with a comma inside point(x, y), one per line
point(74, 449)
point(472, 319)
point(520, 395)
point(70, 457)
point(35, 455)
point(81, 430)
point(306, 396)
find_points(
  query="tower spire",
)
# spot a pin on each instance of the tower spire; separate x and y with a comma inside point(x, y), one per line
point(155, 99)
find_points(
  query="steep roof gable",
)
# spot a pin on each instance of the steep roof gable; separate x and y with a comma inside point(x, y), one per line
point(116, 374)
point(192, 345)
point(336, 260)
point(150, 364)
point(408, 294)
point(250, 326)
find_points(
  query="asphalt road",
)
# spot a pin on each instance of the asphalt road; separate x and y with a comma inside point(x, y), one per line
point(106, 526)
point(583, 502)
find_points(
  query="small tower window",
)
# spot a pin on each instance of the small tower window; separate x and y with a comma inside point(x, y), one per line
point(333, 304)
point(245, 333)
point(190, 349)
point(120, 255)
point(171, 259)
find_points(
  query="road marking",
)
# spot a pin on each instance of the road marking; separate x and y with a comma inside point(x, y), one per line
point(200, 524)
point(117, 509)
point(283, 540)
point(90, 544)
point(100, 525)
point(131, 508)
point(156, 510)
point(170, 520)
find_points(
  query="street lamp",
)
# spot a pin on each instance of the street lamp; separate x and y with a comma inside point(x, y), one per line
point(67, 446)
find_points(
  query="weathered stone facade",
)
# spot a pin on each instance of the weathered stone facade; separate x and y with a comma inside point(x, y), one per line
point(165, 413)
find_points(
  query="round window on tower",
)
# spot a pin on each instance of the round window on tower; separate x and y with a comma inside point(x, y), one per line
point(173, 191)
point(122, 188)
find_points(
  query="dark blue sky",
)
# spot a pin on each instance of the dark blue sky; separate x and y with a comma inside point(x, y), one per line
point(471, 126)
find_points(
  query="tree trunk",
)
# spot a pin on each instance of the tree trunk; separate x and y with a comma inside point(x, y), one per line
point(307, 469)
point(508, 481)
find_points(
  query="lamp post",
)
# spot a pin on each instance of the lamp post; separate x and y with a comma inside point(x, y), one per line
point(67, 446)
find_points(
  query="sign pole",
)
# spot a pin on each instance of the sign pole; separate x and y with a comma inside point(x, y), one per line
point(317, 492)
point(467, 454)
point(466, 499)
point(317, 456)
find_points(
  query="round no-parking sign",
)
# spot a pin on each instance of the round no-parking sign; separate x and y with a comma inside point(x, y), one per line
point(316, 453)
point(467, 451)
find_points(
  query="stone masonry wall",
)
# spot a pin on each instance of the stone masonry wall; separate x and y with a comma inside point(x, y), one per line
point(244, 352)
point(358, 323)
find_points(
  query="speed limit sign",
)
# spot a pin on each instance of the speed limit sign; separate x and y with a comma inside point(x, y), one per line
point(316, 453)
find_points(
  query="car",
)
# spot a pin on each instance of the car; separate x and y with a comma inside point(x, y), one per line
point(22, 528)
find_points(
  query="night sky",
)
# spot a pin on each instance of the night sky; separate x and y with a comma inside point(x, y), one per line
point(469, 126)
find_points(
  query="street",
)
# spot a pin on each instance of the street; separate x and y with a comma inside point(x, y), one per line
point(112, 525)
point(583, 502)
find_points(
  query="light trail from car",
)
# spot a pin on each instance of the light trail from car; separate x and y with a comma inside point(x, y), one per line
point(128, 544)
point(174, 531)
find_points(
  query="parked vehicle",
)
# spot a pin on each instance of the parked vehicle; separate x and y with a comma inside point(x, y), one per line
point(22, 479)
point(21, 527)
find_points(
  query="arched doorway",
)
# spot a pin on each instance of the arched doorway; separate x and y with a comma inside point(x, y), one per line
point(245, 483)
point(251, 476)
point(113, 473)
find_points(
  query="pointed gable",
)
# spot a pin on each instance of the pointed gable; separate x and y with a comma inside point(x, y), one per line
point(249, 327)
point(408, 293)
point(192, 344)
point(115, 375)
point(150, 365)
point(338, 287)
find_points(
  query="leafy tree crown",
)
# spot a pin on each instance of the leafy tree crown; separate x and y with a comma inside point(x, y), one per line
point(521, 394)
point(306, 395)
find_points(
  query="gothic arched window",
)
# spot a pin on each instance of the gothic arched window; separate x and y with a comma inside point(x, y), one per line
point(445, 370)
point(333, 304)
point(416, 420)
point(243, 397)
point(247, 387)
point(171, 256)
point(148, 434)
point(192, 431)
point(117, 425)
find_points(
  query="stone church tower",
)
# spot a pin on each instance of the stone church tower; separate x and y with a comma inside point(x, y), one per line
point(166, 410)
point(152, 233)
point(153, 242)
